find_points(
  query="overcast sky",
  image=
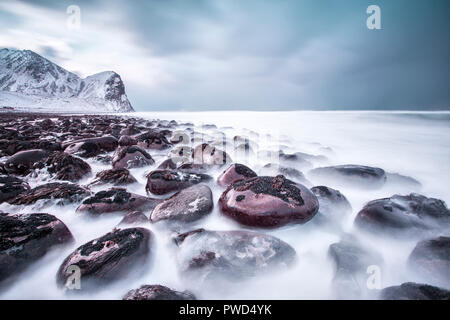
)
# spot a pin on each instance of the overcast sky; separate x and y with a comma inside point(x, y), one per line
point(248, 54)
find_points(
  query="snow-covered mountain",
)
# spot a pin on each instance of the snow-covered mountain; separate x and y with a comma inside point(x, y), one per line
point(28, 81)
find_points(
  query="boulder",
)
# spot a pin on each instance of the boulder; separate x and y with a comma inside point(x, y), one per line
point(399, 214)
point(333, 205)
point(164, 181)
point(268, 202)
point(11, 187)
point(131, 157)
point(207, 255)
point(116, 200)
point(108, 258)
point(60, 193)
point(187, 205)
point(63, 166)
point(210, 155)
point(414, 291)
point(351, 175)
point(235, 173)
point(157, 292)
point(431, 259)
point(24, 238)
point(117, 177)
point(21, 162)
point(153, 140)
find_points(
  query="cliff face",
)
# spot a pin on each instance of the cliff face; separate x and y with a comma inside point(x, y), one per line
point(28, 80)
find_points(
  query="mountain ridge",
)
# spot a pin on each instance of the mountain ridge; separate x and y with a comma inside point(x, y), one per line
point(28, 80)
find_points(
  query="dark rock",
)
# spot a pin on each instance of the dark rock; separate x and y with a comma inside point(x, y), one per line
point(11, 187)
point(187, 205)
point(268, 202)
point(412, 213)
point(235, 173)
point(61, 193)
point(168, 164)
point(134, 218)
point(127, 141)
point(116, 177)
point(24, 238)
point(153, 140)
point(116, 200)
point(164, 181)
point(22, 162)
point(207, 255)
point(431, 259)
point(157, 292)
point(351, 175)
point(333, 205)
point(414, 291)
point(63, 166)
point(107, 258)
point(131, 157)
point(351, 261)
point(104, 144)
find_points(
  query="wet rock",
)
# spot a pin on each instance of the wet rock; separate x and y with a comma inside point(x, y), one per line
point(333, 205)
point(168, 164)
point(268, 202)
point(127, 141)
point(131, 157)
point(11, 187)
point(414, 291)
point(86, 149)
point(431, 259)
point(352, 260)
point(412, 213)
point(22, 162)
point(208, 255)
point(157, 292)
point(210, 155)
point(129, 131)
point(299, 160)
point(153, 140)
point(105, 144)
point(117, 177)
point(351, 175)
point(107, 258)
point(104, 158)
point(187, 205)
point(134, 218)
point(235, 173)
point(164, 181)
point(59, 193)
point(63, 166)
point(24, 238)
point(116, 200)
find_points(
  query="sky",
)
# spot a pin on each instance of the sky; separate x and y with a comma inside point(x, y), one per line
point(247, 54)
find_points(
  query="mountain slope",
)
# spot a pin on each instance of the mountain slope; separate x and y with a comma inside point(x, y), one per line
point(29, 81)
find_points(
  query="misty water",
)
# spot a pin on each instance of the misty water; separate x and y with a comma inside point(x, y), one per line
point(411, 144)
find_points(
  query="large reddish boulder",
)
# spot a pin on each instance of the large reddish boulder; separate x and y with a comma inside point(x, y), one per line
point(23, 161)
point(117, 177)
point(268, 202)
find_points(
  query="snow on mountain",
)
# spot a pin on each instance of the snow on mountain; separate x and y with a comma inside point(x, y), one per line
point(28, 81)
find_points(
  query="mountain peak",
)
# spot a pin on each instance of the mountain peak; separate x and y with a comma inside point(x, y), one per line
point(33, 78)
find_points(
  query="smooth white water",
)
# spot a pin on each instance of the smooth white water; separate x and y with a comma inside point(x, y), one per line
point(413, 144)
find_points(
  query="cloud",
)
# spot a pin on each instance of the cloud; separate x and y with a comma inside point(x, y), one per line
point(212, 54)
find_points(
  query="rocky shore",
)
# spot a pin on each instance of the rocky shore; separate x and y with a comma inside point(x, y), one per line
point(162, 180)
